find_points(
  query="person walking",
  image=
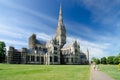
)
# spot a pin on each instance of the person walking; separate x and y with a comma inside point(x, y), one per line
point(97, 67)
point(94, 65)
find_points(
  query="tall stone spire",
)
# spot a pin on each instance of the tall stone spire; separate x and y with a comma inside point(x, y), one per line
point(60, 21)
point(61, 31)
point(87, 55)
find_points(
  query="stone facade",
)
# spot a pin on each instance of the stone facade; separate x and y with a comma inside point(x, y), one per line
point(53, 52)
point(16, 56)
point(71, 53)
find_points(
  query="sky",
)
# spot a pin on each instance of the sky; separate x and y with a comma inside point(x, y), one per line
point(95, 24)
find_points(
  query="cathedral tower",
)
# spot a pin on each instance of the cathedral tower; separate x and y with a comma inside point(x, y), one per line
point(61, 31)
point(32, 40)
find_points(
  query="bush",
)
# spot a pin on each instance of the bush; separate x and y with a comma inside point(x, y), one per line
point(119, 66)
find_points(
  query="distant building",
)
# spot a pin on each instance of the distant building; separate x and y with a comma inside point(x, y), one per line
point(53, 52)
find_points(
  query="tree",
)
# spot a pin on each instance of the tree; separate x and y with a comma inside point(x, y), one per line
point(96, 60)
point(119, 57)
point(2, 51)
point(103, 60)
point(116, 60)
point(93, 59)
point(119, 60)
point(110, 59)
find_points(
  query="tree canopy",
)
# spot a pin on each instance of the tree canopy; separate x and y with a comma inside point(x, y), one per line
point(103, 60)
point(110, 59)
point(2, 51)
point(96, 60)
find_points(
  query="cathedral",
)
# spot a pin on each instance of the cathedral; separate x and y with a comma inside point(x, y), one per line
point(53, 52)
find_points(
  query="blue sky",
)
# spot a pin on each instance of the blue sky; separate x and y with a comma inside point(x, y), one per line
point(95, 24)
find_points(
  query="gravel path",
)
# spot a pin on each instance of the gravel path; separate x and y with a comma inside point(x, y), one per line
point(99, 75)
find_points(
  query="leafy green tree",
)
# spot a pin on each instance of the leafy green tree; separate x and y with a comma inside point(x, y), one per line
point(119, 58)
point(93, 59)
point(103, 60)
point(2, 51)
point(116, 60)
point(110, 60)
point(96, 60)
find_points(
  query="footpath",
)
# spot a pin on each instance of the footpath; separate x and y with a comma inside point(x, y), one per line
point(99, 75)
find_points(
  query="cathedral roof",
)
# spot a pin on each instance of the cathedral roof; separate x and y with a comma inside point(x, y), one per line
point(40, 42)
point(33, 51)
point(71, 44)
point(67, 45)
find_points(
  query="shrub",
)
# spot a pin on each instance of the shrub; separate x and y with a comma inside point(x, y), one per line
point(119, 66)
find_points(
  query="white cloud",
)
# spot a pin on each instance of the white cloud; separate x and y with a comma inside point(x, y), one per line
point(14, 42)
point(13, 31)
point(44, 36)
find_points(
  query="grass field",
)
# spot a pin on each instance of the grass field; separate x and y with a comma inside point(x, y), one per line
point(111, 70)
point(44, 72)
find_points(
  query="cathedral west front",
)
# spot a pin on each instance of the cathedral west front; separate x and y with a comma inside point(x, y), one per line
point(53, 52)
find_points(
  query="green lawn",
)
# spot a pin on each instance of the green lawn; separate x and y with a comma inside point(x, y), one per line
point(111, 70)
point(44, 72)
